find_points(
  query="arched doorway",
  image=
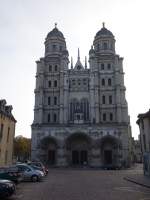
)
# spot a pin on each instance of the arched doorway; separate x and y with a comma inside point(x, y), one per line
point(49, 146)
point(110, 151)
point(78, 149)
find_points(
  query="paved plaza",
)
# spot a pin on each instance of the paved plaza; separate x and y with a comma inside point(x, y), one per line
point(84, 184)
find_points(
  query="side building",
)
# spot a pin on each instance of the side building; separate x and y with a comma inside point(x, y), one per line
point(81, 113)
point(137, 151)
point(7, 132)
point(144, 126)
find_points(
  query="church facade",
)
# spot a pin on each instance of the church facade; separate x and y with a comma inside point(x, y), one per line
point(81, 113)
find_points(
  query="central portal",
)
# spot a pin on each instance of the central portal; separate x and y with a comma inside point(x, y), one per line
point(79, 157)
point(108, 157)
point(78, 149)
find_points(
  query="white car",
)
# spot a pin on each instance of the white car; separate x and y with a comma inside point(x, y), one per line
point(30, 173)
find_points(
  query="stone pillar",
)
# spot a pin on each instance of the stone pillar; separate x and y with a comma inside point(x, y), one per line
point(97, 114)
point(61, 155)
point(61, 98)
point(92, 99)
point(39, 101)
point(66, 106)
point(95, 157)
point(118, 87)
point(64, 87)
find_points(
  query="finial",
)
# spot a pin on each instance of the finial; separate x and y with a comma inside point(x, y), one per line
point(103, 24)
point(55, 25)
point(78, 54)
point(71, 63)
point(85, 62)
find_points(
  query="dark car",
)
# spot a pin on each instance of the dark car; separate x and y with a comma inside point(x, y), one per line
point(111, 167)
point(40, 165)
point(7, 188)
point(11, 173)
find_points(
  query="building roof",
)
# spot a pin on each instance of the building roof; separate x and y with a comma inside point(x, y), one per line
point(55, 33)
point(104, 32)
point(6, 110)
point(142, 116)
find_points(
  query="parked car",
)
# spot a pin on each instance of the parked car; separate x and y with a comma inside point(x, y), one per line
point(11, 173)
point(39, 164)
point(7, 188)
point(29, 173)
point(37, 168)
point(111, 167)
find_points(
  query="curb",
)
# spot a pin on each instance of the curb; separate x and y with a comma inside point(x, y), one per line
point(138, 183)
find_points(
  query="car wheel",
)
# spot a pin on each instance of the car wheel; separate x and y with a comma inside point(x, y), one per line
point(34, 178)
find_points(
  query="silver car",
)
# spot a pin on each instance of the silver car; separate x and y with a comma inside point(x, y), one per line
point(29, 173)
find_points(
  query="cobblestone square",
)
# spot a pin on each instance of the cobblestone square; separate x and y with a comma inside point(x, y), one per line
point(83, 184)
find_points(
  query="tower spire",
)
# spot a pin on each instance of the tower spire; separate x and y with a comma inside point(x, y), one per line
point(103, 24)
point(78, 54)
point(55, 25)
point(85, 62)
point(71, 63)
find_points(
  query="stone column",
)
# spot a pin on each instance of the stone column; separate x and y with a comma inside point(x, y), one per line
point(66, 106)
point(61, 98)
point(61, 155)
point(92, 98)
point(118, 87)
point(39, 101)
point(97, 114)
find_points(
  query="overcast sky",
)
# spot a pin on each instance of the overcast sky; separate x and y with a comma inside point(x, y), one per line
point(24, 25)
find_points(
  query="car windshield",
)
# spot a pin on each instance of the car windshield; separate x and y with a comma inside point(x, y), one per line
point(25, 167)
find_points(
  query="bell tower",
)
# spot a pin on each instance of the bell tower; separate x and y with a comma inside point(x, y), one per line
point(51, 80)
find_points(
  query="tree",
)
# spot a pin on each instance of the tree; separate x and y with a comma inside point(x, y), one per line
point(22, 148)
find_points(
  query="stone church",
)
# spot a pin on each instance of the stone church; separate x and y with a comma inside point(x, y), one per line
point(81, 113)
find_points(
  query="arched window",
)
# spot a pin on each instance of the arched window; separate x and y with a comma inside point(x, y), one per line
point(102, 66)
point(79, 82)
point(110, 99)
point(49, 83)
point(104, 116)
point(48, 118)
point(50, 68)
point(109, 81)
point(108, 66)
point(79, 106)
point(111, 117)
point(56, 67)
point(103, 99)
point(73, 82)
point(54, 118)
point(49, 100)
point(55, 100)
point(55, 83)
point(97, 47)
point(54, 47)
point(105, 46)
point(103, 82)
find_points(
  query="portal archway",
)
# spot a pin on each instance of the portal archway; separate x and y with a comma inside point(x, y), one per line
point(78, 149)
point(110, 151)
point(49, 145)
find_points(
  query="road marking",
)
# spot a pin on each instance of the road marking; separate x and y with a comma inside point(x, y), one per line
point(130, 189)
